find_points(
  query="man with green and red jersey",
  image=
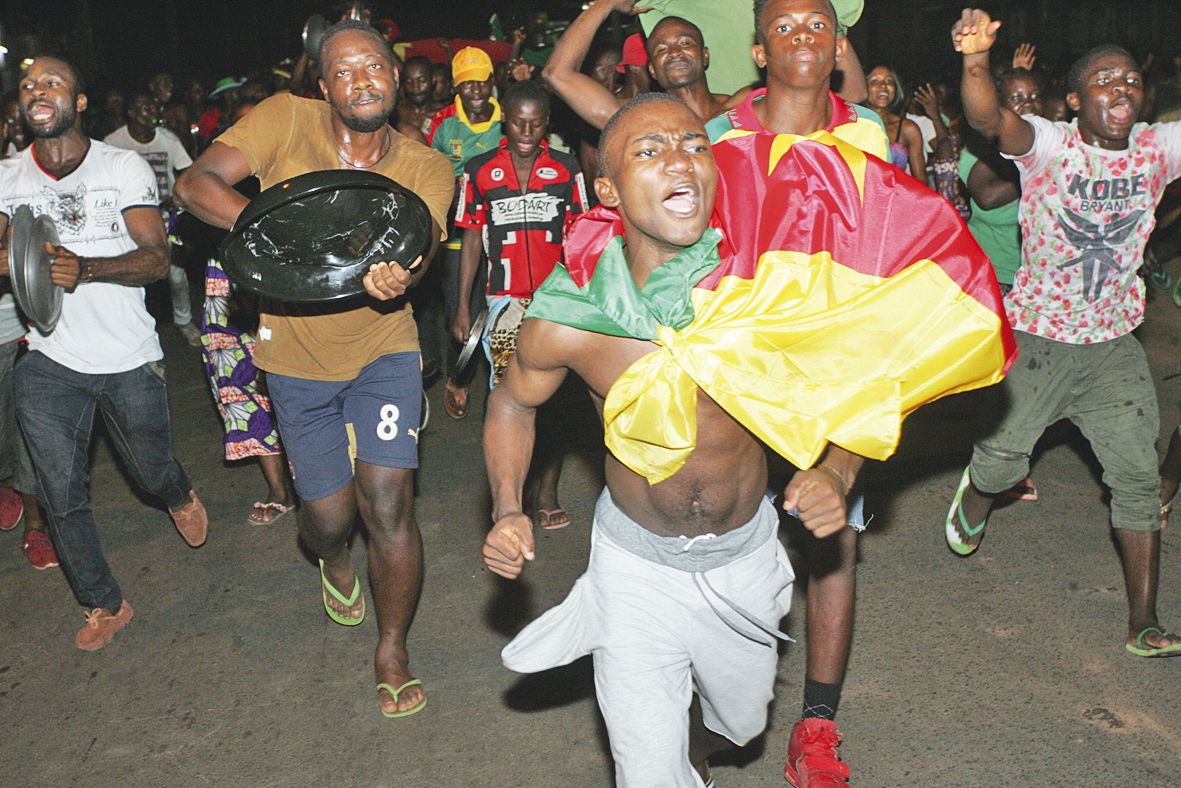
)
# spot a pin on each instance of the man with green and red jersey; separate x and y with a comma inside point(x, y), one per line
point(465, 129)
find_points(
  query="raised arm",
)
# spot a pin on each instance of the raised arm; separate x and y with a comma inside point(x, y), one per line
point(1025, 56)
point(534, 374)
point(929, 100)
point(593, 102)
point(972, 36)
point(206, 189)
point(853, 86)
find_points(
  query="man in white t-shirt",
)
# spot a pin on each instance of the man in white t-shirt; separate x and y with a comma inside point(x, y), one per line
point(161, 149)
point(1088, 192)
point(103, 355)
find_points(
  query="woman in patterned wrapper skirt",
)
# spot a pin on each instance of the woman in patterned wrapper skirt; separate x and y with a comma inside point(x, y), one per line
point(239, 390)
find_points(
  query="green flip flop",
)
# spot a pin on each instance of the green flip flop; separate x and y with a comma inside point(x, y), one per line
point(956, 512)
point(1142, 649)
point(349, 601)
point(394, 693)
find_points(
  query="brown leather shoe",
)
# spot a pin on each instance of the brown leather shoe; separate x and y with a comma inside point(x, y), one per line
point(101, 626)
point(192, 521)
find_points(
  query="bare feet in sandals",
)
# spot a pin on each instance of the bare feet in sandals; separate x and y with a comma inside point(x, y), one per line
point(398, 692)
point(1154, 641)
point(266, 512)
point(455, 400)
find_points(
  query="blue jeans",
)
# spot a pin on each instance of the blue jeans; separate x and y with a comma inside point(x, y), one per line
point(56, 408)
point(16, 469)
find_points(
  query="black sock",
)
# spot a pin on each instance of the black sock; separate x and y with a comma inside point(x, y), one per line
point(820, 699)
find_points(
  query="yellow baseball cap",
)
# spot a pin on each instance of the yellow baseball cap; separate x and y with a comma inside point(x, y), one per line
point(470, 65)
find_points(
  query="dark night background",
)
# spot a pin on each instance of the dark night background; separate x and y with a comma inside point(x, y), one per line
point(122, 42)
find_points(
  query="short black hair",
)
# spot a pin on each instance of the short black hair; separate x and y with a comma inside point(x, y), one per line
point(71, 66)
point(761, 8)
point(526, 90)
point(353, 24)
point(612, 124)
point(683, 21)
point(1074, 77)
point(1009, 74)
point(419, 60)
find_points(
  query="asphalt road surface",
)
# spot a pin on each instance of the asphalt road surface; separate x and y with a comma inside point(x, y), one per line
point(1007, 668)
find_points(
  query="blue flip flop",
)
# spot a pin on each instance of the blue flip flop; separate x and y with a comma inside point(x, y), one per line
point(349, 601)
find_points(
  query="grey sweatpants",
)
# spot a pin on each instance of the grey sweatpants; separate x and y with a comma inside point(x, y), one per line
point(659, 632)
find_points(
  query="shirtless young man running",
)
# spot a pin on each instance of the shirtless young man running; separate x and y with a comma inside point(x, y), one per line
point(687, 580)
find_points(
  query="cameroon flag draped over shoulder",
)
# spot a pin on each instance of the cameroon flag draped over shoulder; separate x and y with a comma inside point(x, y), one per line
point(838, 297)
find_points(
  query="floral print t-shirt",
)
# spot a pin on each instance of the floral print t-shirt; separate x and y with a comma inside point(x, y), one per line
point(1086, 214)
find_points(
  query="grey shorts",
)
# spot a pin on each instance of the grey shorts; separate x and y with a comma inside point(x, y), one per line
point(659, 632)
point(1106, 390)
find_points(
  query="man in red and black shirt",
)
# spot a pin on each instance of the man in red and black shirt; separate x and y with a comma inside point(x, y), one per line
point(513, 204)
point(515, 201)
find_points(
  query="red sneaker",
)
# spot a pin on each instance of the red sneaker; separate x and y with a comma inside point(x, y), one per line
point(39, 550)
point(12, 508)
point(812, 757)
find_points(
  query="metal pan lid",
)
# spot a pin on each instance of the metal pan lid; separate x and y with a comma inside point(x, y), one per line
point(474, 338)
point(36, 294)
point(312, 238)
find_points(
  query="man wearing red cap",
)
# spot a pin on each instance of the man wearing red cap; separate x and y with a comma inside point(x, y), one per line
point(467, 128)
point(634, 67)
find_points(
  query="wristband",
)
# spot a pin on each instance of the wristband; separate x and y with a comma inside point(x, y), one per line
point(85, 271)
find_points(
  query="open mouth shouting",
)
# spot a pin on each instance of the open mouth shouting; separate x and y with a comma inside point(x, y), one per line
point(1121, 112)
point(683, 201)
point(40, 113)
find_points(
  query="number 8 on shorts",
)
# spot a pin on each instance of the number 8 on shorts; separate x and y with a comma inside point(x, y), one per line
point(387, 427)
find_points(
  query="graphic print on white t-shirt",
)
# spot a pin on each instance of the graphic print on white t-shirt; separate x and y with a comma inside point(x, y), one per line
point(104, 328)
point(164, 154)
point(1086, 214)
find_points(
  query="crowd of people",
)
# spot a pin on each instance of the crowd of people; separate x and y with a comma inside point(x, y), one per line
point(1034, 196)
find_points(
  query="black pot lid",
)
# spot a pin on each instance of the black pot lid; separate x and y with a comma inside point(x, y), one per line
point(313, 237)
point(38, 297)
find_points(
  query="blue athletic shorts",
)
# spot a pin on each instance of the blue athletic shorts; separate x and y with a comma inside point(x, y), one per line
point(325, 423)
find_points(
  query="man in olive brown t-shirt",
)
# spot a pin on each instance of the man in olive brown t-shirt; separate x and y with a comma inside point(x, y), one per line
point(349, 374)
